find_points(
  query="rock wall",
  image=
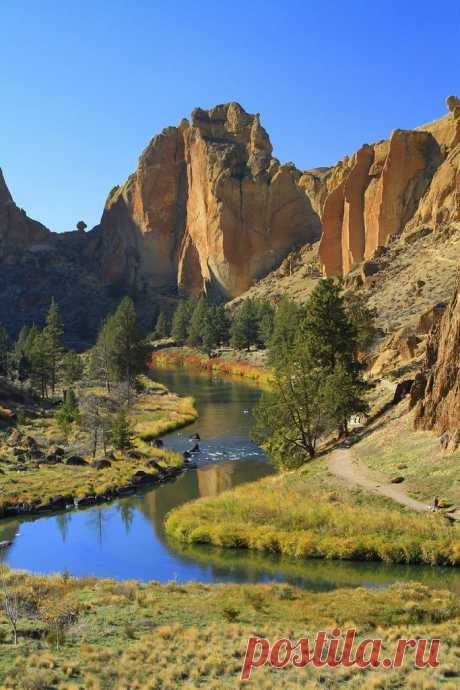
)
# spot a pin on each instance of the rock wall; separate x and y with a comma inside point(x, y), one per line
point(438, 389)
point(210, 209)
point(390, 187)
point(207, 209)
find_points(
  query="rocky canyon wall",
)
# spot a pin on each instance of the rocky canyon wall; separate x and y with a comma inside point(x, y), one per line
point(438, 385)
point(390, 187)
point(210, 209)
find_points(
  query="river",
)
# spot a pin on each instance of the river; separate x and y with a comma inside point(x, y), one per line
point(126, 539)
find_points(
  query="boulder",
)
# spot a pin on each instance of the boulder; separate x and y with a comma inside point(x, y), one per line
point(76, 460)
point(134, 455)
point(101, 464)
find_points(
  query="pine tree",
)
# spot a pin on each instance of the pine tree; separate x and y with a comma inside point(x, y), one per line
point(265, 318)
point(286, 320)
point(161, 327)
point(332, 341)
point(72, 368)
point(101, 355)
point(244, 329)
point(180, 322)
point(222, 324)
point(197, 323)
point(40, 363)
point(181, 319)
point(210, 330)
point(121, 433)
point(126, 346)
point(68, 412)
point(362, 317)
point(53, 333)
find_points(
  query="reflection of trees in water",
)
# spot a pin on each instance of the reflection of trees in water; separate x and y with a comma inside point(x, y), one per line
point(98, 518)
point(126, 511)
point(63, 522)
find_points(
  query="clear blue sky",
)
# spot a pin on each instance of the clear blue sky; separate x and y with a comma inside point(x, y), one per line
point(85, 85)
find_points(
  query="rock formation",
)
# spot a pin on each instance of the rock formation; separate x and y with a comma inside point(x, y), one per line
point(207, 209)
point(394, 186)
point(438, 385)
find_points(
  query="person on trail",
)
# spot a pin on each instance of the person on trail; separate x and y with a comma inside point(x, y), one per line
point(435, 505)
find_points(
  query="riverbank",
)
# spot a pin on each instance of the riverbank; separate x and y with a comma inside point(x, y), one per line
point(231, 363)
point(309, 514)
point(40, 472)
point(118, 635)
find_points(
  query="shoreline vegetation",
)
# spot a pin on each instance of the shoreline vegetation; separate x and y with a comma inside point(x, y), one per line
point(189, 358)
point(296, 515)
point(51, 487)
point(100, 634)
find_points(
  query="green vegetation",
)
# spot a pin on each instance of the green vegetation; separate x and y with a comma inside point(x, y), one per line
point(298, 516)
point(153, 412)
point(83, 634)
point(317, 380)
point(107, 407)
point(161, 327)
point(121, 433)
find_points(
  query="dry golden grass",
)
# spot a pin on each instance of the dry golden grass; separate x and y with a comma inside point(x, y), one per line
point(298, 516)
point(392, 447)
point(154, 412)
point(135, 636)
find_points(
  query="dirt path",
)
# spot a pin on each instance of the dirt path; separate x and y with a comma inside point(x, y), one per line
point(345, 466)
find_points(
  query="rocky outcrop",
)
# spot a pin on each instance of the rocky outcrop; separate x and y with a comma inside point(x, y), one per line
point(380, 193)
point(439, 383)
point(210, 209)
point(207, 209)
point(410, 183)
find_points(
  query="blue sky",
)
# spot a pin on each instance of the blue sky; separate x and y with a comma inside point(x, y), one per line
point(85, 85)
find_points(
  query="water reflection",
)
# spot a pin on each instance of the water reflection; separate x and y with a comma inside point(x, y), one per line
point(126, 539)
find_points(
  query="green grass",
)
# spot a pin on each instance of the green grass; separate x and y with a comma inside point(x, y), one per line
point(296, 516)
point(150, 636)
point(155, 412)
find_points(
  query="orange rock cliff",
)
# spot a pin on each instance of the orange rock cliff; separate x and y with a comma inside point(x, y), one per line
point(210, 209)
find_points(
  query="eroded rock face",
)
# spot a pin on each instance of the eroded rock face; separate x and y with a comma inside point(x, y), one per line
point(37, 264)
point(395, 186)
point(207, 209)
point(439, 406)
point(382, 188)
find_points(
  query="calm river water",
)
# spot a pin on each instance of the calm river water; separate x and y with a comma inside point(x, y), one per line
point(126, 539)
